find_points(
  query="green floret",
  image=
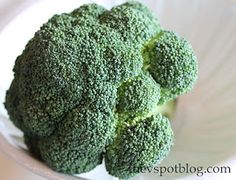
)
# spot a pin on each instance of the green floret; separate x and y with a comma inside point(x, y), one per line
point(171, 61)
point(95, 83)
point(90, 126)
point(85, 12)
point(138, 96)
point(133, 21)
point(53, 86)
point(12, 105)
point(139, 145)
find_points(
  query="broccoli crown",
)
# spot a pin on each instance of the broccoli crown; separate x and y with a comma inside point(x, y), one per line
point(93, 83)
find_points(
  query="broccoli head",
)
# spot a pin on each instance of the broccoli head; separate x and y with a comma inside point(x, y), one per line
point(99, 84)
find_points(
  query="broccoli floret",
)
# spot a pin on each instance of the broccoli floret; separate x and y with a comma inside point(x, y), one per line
point(131, 101)
point(97, 83)
point(79, 142)
point(172, 63)
point(133, 21)
point(138, 145)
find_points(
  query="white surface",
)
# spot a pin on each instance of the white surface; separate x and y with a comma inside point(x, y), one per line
point(206, 119)
point(10, 170)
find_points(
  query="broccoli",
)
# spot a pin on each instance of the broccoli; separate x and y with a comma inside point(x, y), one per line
point(99, 84)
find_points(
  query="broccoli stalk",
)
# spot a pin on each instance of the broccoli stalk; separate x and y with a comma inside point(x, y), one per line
point(97, 83)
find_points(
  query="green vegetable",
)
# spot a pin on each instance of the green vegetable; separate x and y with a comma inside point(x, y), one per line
point(94, 84)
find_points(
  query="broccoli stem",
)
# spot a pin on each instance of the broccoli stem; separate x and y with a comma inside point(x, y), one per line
point(148, 50)
point(168, 109)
